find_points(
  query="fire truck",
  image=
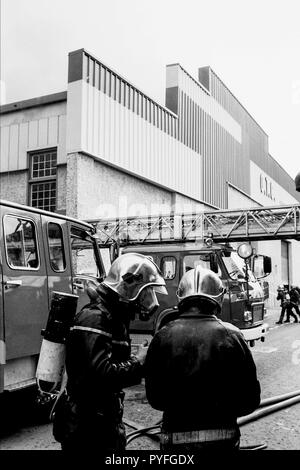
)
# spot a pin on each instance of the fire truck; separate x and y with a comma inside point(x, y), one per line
point(40, 252)
point(179, 242)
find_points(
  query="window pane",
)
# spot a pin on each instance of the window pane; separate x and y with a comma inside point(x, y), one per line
point(56, 247)
point(30, 244)
point(21, 243)
point(204, 260)
point(14, 242)
point(43, 164)
point(43, 195)
point(168, 267)
point(83, 257)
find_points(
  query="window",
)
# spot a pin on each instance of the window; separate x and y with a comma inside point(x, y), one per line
point(83, 254)
point(205, 260)
point(168, 267)
point(20, 243)
point(43, 180)
point(43, 164)
point(56, 247)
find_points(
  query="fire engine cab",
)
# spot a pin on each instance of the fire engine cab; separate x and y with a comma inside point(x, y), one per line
point(243, 303)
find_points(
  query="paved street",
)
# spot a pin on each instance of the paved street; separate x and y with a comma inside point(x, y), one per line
point(278, 366)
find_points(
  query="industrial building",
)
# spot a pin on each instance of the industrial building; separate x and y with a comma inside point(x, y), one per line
point(105, 148)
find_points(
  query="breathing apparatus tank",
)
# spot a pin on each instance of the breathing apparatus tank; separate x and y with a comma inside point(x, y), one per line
point(51, 364)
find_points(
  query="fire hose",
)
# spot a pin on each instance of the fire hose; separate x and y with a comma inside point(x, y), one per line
point(266, 407)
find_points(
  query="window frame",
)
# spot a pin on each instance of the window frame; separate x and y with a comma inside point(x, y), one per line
point(161, 267)
point(198, 254)
point(63, 247)
point(22, 268)
point(41, 179)
point(73, 229)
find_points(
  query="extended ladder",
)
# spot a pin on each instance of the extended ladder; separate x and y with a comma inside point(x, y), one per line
point(257, 223)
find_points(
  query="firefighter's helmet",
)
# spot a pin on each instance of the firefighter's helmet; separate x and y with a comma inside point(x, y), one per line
point(131, 273)
point(200, 283)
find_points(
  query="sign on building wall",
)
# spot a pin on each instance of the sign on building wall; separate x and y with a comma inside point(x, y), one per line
point(265, 190)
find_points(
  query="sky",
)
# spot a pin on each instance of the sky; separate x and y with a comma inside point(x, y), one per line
point(253, 46)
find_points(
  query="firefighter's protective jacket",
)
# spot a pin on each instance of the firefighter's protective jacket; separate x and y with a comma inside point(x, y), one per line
point(98, 364)
point(200, 372)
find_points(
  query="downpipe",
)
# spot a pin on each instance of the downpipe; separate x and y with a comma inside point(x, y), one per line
point(266, 407)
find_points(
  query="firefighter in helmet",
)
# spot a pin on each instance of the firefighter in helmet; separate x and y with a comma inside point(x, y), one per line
point(199, 371)
point(99, 364)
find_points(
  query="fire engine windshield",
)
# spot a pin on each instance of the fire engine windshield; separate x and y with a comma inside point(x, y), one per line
point(236, 267)
point(206, 260)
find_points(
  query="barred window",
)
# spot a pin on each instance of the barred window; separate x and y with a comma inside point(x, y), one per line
point(43, 180)
point(43, 196)
point(43, 164)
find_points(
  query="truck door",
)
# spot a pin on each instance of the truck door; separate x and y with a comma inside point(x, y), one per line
point(236, 299)
point(84, 268)
point(25, 296)
point(56, 241)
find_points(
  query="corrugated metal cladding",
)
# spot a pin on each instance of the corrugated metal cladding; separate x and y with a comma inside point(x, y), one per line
point(111, 119)
point(211, 131)
point(35, 128)
point(255, 140)
point(212, 122)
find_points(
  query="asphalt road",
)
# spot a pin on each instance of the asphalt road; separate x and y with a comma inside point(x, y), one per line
point(278, 367)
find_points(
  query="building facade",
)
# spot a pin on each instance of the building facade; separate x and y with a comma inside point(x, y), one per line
point(105, 148)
